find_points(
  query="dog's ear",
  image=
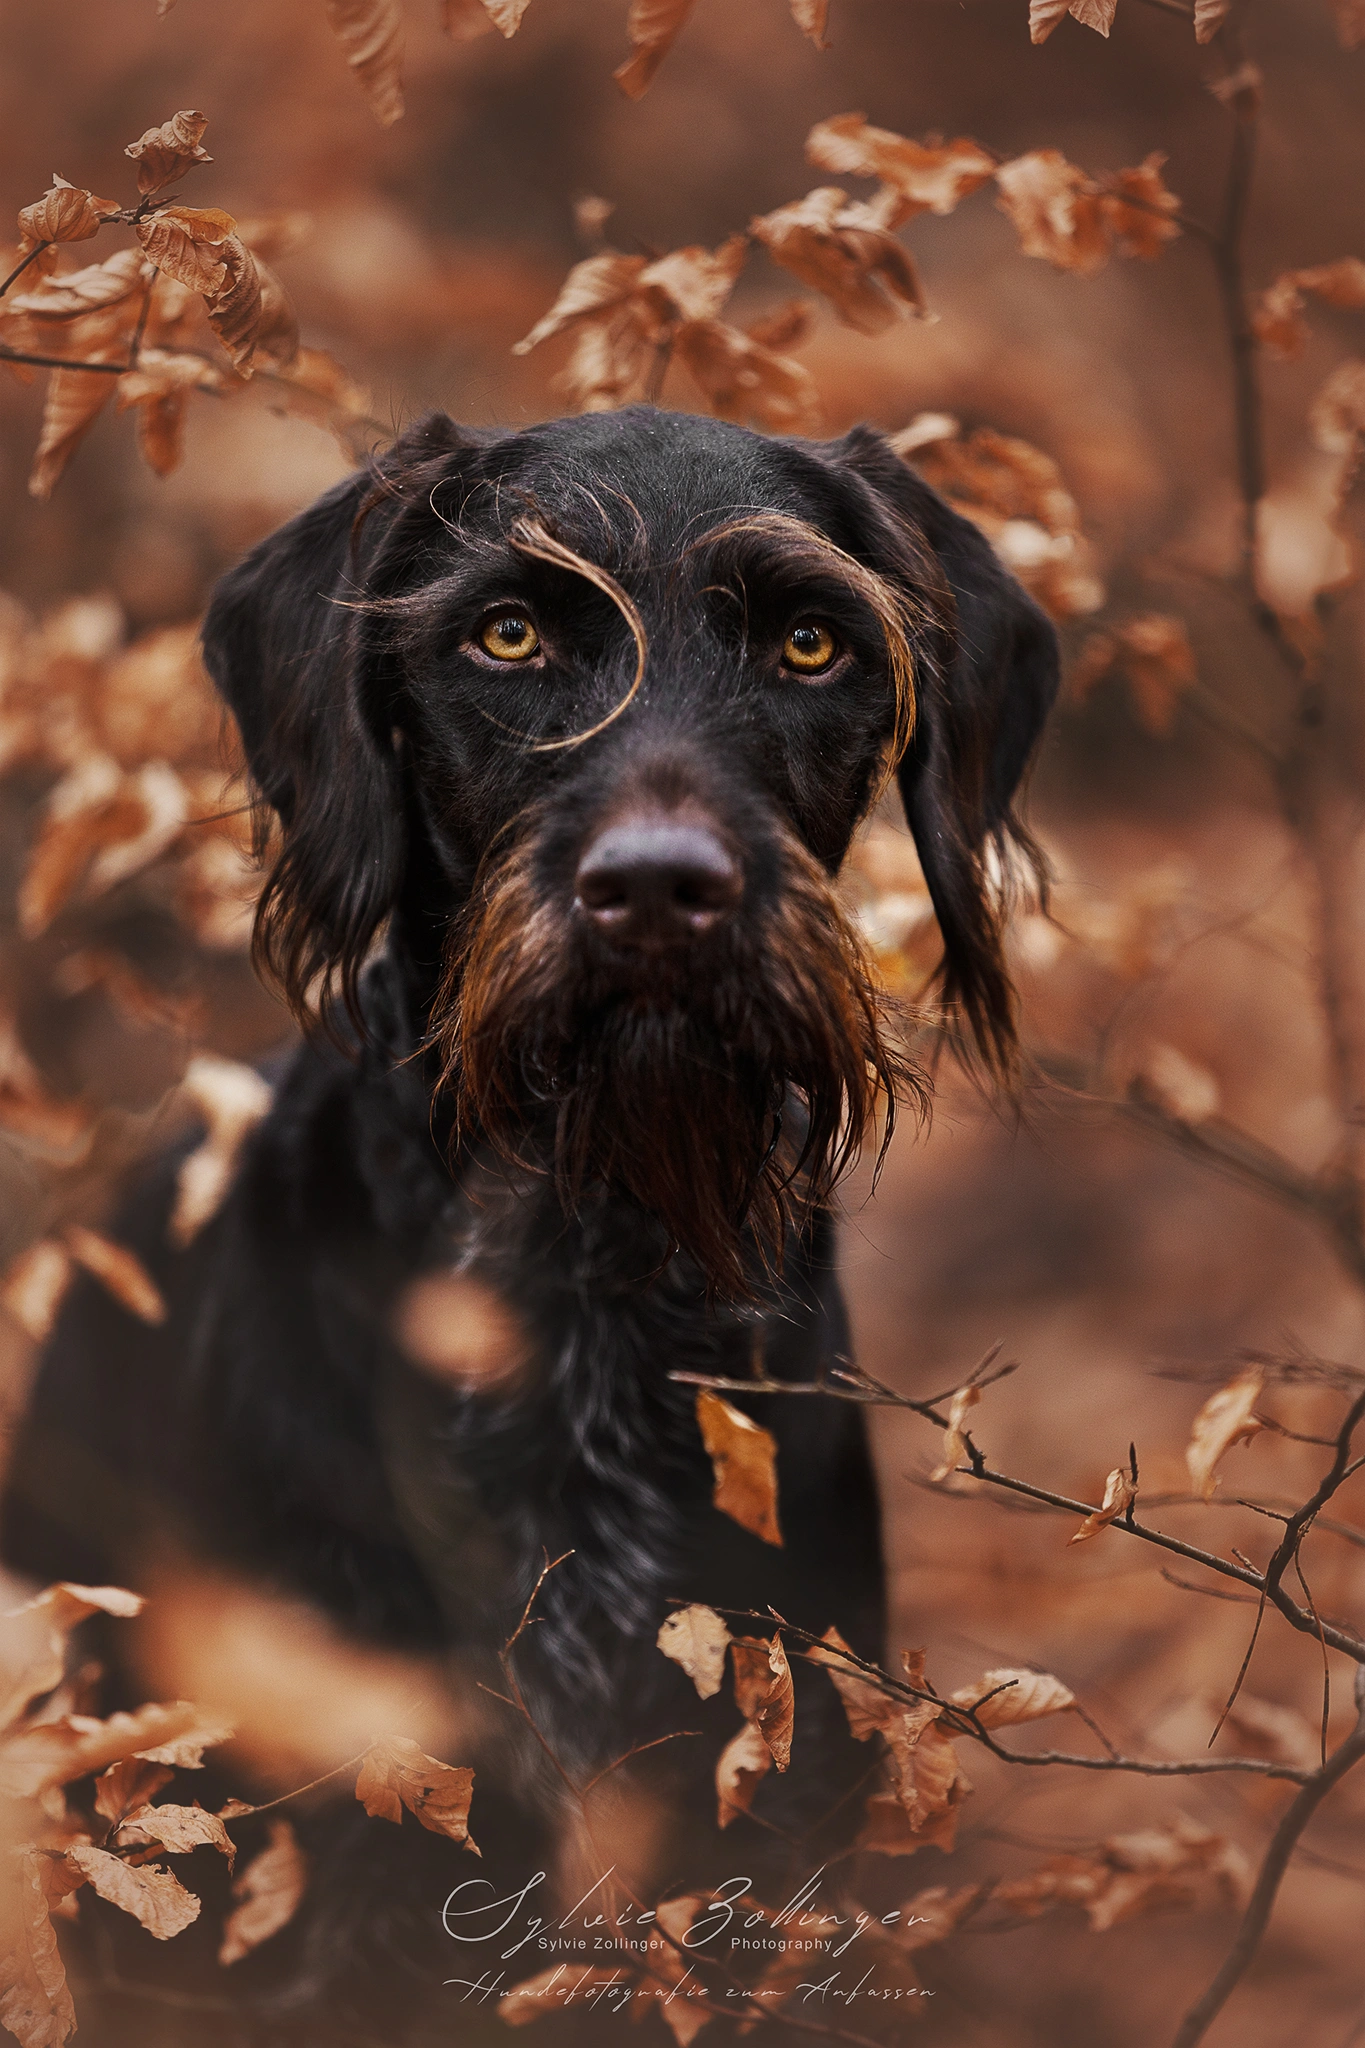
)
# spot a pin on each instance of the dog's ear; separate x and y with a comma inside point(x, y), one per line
point(986, 674)
point(302, 665)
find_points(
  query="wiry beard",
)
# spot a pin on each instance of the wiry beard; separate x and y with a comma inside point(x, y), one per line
point(676, 1093)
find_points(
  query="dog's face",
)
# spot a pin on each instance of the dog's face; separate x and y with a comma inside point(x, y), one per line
point(591, 712)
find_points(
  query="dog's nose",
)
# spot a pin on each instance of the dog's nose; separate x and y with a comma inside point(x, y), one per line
point(657, 881)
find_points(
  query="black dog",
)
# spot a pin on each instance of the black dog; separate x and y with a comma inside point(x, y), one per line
point(566, 732)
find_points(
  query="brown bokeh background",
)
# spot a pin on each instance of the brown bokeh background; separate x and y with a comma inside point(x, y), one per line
point(1106, 1262)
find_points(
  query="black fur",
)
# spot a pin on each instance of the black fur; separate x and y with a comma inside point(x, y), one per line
point(273, 1427)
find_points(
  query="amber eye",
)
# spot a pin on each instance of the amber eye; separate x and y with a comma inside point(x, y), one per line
point(509, 636)
point(810, 647)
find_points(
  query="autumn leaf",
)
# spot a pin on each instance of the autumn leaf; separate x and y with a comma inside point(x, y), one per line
point(77, 1745)
point(1209, 16)
point(1138, 209)
point(1044, 15)
point(954, 1436)
point(237, 312)
point(930, 1782)
point(868, 1708)
point(931, 177)
point(129, 1784)
point(744, 381)
point(396, 1773)
point(58, 1609)
point(1278, 317)
point(35, 1284)
point(155, 1897)
point(186, 242)
point(75, 293)
point(178, 1830)
point(268, 1891)
point(1225, 1419)
point(1336, 417)
point(1119, 1495)
point(692, 283)
point(1015, 1696)
point(74, 401)
point(1179, 1085)
point(166, 153)
point(764, 1693)
point(1152, 652)
point(886, 1829)
point(744, 1461)
point(118, 1270)
point(232, 1099)
point(370, 33)
point(1055, 211)
point(65, 213)
point(652, 26)
point(934, 1914)
point(697, 1639)
point(1126, 1876)
point(600, 284)
point(743, 1763)
point(844, 249)
point(35, 2003)
point(102, 826)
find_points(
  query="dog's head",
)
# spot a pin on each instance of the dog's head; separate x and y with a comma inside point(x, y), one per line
point(587, 715)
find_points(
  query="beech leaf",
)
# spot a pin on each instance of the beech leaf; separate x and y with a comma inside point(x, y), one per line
point(166, 153)
point(1224, 1420)
point(1119, 1495)
point(268, 1891)
point(697, 1639)
point(1016, 1696)
point(743, 1763)
point(155, 1897)
point(35, 2003)
point(744, 1460)
point(370, 33)
point(396, 1773)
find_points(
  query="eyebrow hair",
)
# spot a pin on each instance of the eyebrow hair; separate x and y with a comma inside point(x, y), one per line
point(530, 536)
point(800, 545)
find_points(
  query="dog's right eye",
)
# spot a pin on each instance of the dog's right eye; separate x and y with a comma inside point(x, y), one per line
point(509, 636)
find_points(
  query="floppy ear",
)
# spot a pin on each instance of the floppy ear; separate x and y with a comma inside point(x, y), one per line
point(307, 676)
point(986, 675)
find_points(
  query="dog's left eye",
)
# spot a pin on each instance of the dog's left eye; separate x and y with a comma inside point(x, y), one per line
point(809, 647)
point(509, 636)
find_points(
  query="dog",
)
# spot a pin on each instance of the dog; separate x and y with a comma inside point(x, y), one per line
point(564, 734)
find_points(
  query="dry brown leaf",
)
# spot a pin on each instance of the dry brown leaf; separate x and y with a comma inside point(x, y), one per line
point(954, 1436)
point(118, 1270)
point(764, 1692)
point(155, 1897)
point(187, 243)
point(1278, 318)
point(505, 15)
point(74, 401)
point(237, 312)
point(268, 1892)
point(933, 1914)
point(744, 1460)
point(127, 1785)
point(1209, 16)
point(1044, 16)
point(651, 26)
point(232, 1099)
point(598, 285)
point(693, 283)
point(1055, 211)
point(101, 828)
point(178, 1830)
point(992, 473)
point(785, 326)
point(35, 1284)
point(315, 386)
point(931, 177)
point(65, 213)
point(1225, 1419)
point(1240, 90)
point(1139, 208)
point(1152, 651)
point(78, 1745)
point(886, 1829)
point(57, 1610)
point(166, 153)
point(845, 250)
point(74, 293)
point(744, 381)
point(1186, 1091)
point(1119, 1495)
point(868, 1708)
point(1096, 14)
point(370, 33)
point(696, 1638)
point(1026, 1696)
point(396, 1773)
point(1336, 417)
point(930, 1782)
point(743, 1763)
point(35, 2004)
